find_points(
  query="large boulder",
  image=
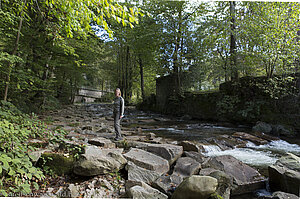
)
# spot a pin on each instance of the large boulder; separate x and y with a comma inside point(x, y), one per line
point(167, 183)
point(199, 157)
point(282, 130)
point(131, 143)
point(262, 127)
point(285, 174)
point(282, 195)
point(196, 187)
point(59, 163)
point(139, 174)
point(169, 152)
point(97, 161)
point(279, 195)
point(186, 166)
point(245, 178)
point(226, 142)
point(266, 136)
point(144, 191)
point(225, 181)
point(190, 146)
point(147, 160)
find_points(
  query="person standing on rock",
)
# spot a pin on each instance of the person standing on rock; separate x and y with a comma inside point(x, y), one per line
point(118, 113)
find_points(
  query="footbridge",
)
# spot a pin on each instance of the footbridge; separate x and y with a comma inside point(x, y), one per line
point(88, 95)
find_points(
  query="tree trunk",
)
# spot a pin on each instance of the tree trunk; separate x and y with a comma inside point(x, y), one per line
point(142, 76)
point(45, 77)
point(132, 64)
point(233, 58)
point(122, 75)
point(119, 68)
point(126, 73)
point(175, 55)
point(10, 64)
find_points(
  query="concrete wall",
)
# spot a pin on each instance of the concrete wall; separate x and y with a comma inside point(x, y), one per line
point(252, 105)
point(164, 90)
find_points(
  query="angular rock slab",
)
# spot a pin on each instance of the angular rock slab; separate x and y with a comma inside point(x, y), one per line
point(245, 178)
point(196, 187)
point(285, 174)
point(147, 160)
point(169, 152)
point(186, 166)
point(97, 161)
point(145, 192)
point(139, 174)
point(102, 142)
point(199, 157)
point(225, 181)
point(35, 155)
point(167, 183)
point(252, 138)
point(189, 146)
point(282, 195)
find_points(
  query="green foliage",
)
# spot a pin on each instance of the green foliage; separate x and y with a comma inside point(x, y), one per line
point(215, 196)
point(251, 97)
point(77, 17)
point(228, 105)
point(278, 87)
point(233, 106)
point(251, 109)
point(55, 164)
point(17, 173)
point(117, 178)
point(75, 150)
point(57, 51)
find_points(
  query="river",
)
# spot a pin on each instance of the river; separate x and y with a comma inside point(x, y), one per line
point(259, 156)
point(211, 136)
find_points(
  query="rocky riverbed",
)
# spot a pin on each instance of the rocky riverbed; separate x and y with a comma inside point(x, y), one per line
point(163, 157)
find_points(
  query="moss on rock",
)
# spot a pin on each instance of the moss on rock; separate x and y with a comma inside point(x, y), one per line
point(59, 163)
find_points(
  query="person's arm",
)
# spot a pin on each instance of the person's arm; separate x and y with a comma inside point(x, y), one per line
point(122, 108)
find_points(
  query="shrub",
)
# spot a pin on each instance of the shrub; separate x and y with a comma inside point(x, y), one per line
point(17, 173)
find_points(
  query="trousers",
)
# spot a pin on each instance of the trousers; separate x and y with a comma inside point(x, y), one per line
point(117, 125)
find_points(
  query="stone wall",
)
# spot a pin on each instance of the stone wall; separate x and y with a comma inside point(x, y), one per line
point(242, 102)
point(164, 90)
point(200, 106)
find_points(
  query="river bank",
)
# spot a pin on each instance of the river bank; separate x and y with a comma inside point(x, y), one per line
point(171, 139)
point(250, 99)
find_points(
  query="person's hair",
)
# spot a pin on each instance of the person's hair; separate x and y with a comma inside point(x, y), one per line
point(118, 89)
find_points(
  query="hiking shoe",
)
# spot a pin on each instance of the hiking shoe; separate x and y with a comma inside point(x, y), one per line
point(118, 139)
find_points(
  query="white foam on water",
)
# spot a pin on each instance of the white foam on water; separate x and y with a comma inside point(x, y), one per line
point(213, 127)
point(248, 156)
point(211, 149)
point(279, 145)
point(170, 129)
point(143, 117)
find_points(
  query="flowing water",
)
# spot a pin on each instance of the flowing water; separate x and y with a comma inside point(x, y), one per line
point(259, 156)
point(211, 136)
